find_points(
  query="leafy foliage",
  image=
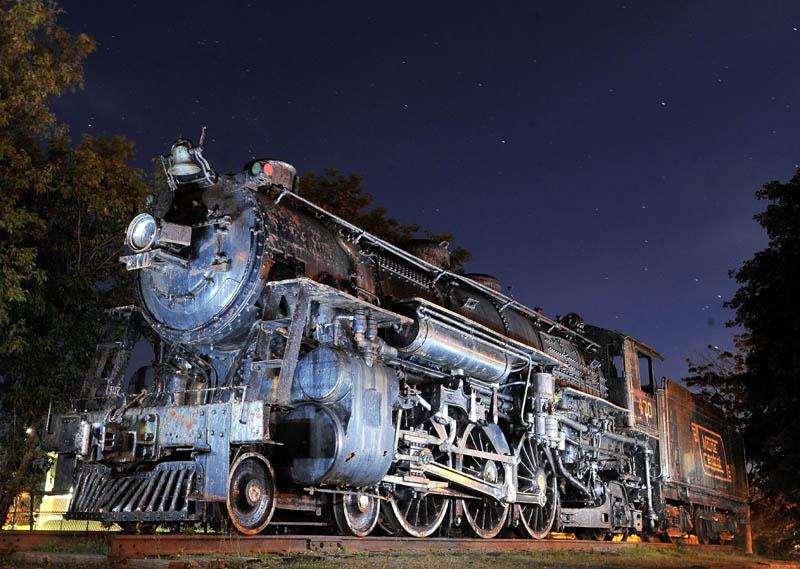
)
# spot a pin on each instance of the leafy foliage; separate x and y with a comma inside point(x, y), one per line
point(38, 60)
point(63, 210)
point(718, 378)
point(756, 385)
point(767, 307)
point(776, 523)
point(344, 196)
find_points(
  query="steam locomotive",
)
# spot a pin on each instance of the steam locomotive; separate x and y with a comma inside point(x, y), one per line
point(309, 374)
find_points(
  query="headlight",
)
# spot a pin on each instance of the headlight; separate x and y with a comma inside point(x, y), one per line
point(141, 234)
point(146, 232)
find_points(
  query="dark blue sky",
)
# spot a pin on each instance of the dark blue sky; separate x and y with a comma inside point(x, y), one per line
point(598, 157)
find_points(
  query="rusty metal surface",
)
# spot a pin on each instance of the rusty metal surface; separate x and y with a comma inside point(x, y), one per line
point(130, 546)
point(705, 453)
point(158, 495)
point(143, 546)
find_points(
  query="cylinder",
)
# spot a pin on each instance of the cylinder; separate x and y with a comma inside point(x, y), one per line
point(552, 431)
point(544, 386)
point(340, 430)
point(326, 375)
point(441, 344)
point(540, 425)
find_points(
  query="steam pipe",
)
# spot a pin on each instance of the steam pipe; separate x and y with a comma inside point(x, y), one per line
point(651, 513)
point(607, 434)
point(436, 341)
point(569, 477)
point(574, 424)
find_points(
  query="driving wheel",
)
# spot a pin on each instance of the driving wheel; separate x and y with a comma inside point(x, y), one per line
point(419, 512)
point(484, 516)
point(536, 475)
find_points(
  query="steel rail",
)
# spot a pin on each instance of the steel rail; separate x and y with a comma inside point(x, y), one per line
point(166, 545)
point(134, 546)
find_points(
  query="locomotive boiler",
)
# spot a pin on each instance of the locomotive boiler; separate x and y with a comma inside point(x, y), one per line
point(309, 374)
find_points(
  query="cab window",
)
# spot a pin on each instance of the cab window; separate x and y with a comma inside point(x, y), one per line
point(646, 373)
point(615, 365)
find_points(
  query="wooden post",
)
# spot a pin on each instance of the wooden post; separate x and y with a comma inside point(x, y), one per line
point(748, 534)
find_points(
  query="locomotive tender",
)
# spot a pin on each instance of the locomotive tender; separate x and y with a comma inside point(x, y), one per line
point(308, 373)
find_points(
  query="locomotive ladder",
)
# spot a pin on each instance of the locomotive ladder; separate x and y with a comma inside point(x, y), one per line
point(118, 337)
point(280, 393)
point(300, 294)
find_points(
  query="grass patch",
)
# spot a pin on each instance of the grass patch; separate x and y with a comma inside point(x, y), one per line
point(625, 559)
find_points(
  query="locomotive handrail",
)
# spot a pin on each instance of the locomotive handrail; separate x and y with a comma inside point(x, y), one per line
point(156, 393)
point(606, 402)
point(505, 301)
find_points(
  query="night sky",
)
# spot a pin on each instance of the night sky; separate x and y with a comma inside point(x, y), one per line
point(598, 157)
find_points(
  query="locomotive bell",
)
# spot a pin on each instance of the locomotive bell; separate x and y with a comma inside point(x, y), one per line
point(182, 163)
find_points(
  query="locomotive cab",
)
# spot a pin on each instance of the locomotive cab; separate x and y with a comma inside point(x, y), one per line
point(628, 366)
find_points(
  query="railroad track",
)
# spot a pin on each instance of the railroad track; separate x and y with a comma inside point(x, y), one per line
point(166, 545)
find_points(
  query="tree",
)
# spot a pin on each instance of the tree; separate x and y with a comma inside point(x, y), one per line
point(38, 60)
point(63, 211)
point(718, 376)
point(775, 521)
point(343, 195)
point(767, 306)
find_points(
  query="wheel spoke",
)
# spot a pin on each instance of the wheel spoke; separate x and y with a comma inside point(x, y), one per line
point(531, 463)
point(418, 504)
point(419, 514)
point(351, 519)
point(536, 520)
point(409, 505)
point(484, 517)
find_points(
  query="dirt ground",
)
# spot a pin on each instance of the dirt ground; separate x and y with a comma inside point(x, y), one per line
point(627, 559)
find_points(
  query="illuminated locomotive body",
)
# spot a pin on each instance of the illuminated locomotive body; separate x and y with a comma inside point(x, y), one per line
point(308, 373)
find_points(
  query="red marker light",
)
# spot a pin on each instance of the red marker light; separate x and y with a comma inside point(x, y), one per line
point(268, 169)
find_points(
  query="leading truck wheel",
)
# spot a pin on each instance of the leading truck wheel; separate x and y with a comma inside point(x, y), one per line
point(251, 493)
point(356, 514)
